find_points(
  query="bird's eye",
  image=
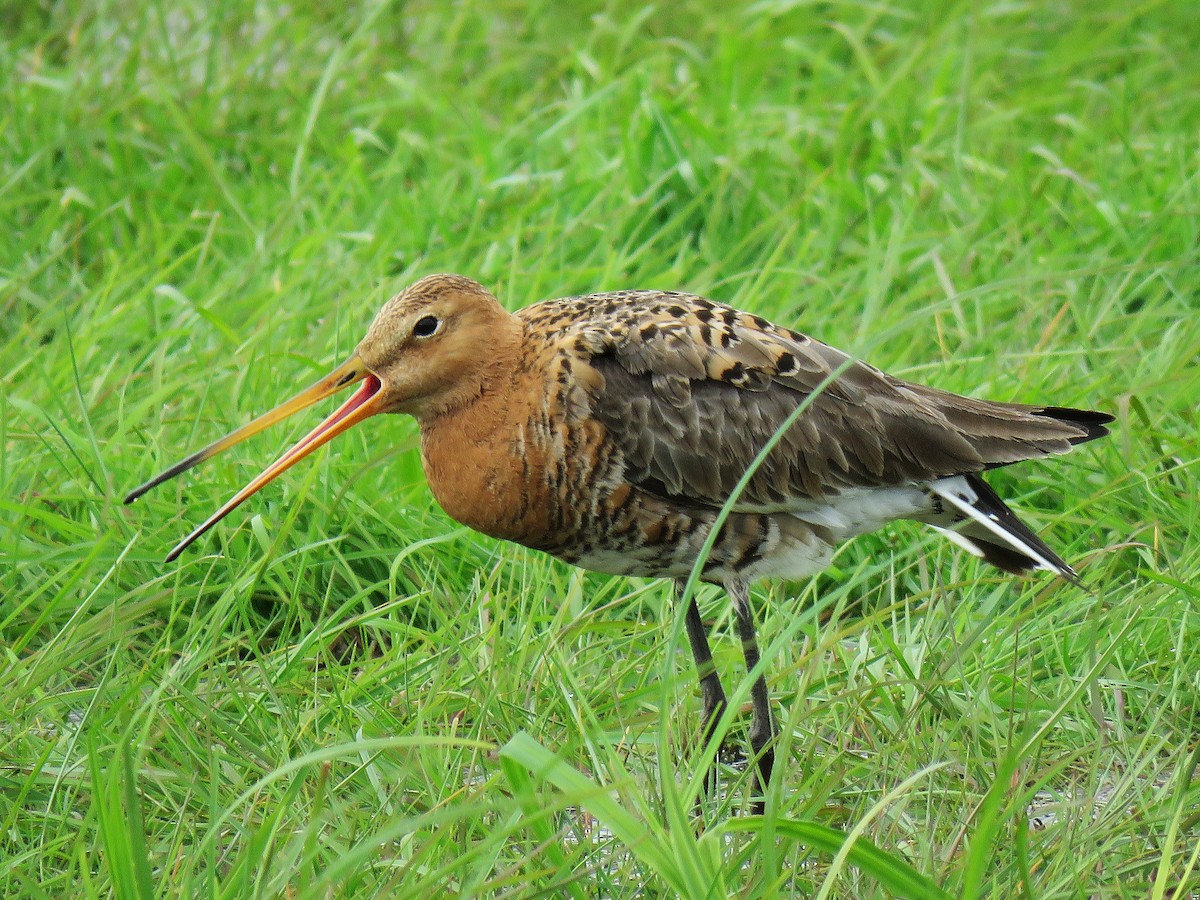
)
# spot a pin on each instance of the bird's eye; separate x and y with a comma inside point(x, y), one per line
point(426, 326)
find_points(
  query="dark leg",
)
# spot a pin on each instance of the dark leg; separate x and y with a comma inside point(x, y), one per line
point(710, 683)
point(762, 729)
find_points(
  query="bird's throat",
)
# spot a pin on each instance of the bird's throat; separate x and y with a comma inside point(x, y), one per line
point(480, 470)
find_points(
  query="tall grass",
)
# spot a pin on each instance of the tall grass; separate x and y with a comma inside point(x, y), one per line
point(342, 692)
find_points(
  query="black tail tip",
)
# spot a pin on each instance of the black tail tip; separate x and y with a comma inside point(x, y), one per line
point(1017, 563)
point(1091, 422)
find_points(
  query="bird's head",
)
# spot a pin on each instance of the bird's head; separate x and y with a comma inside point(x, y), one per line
point(433, 345)
point(431, 349)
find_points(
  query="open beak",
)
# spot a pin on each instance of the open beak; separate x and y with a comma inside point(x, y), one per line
point(365, 402)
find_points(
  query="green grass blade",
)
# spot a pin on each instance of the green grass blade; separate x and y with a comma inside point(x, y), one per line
point(890, 871)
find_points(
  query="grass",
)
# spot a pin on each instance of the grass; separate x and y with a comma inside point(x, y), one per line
point(340, 692)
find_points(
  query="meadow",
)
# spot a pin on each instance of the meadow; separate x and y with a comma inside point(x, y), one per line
point(341, 692)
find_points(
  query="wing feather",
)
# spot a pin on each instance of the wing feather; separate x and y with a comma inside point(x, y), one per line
point(690, 390)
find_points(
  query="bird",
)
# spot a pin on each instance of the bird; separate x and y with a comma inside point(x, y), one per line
point(610, 430)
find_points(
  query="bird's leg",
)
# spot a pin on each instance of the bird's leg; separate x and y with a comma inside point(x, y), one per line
point(711, 691)
point(762, 728)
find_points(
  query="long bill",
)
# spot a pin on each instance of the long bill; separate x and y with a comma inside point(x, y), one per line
point(365, 402)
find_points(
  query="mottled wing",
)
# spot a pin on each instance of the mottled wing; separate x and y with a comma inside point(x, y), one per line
point(691, 390)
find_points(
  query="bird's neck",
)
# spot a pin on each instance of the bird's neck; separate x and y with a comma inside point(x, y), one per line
point(474, 459)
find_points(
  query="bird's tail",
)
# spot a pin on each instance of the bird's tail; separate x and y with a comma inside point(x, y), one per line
point(972, 515)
